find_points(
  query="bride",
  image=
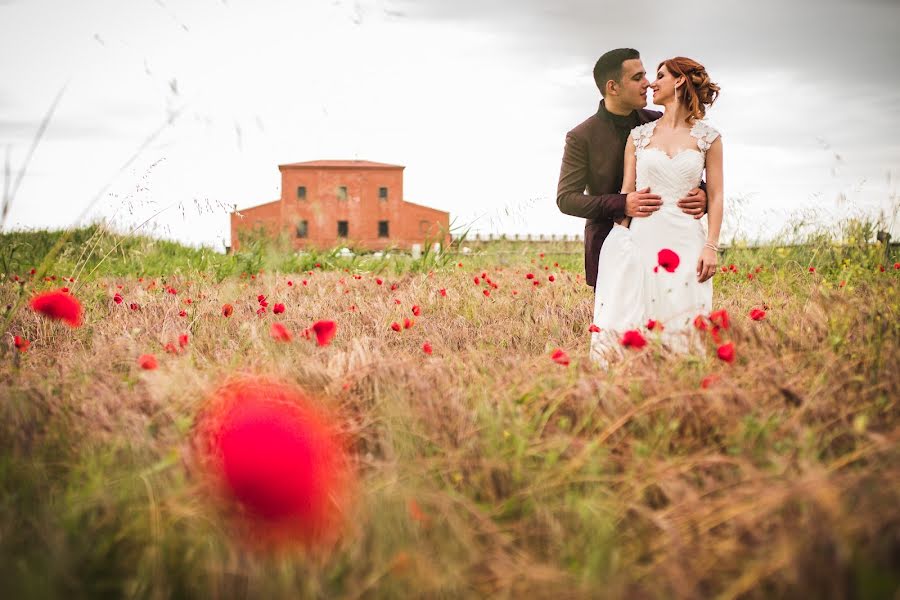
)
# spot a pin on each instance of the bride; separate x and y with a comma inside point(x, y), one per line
point(655, 273)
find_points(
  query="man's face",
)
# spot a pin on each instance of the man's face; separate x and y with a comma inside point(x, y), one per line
point(632, 89)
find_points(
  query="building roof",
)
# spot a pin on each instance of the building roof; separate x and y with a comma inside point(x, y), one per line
point(340, 164)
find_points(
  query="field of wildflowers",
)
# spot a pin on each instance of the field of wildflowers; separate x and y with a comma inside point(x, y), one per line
point(482, 452)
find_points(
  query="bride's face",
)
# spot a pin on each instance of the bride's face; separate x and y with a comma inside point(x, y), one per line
point(664, 86)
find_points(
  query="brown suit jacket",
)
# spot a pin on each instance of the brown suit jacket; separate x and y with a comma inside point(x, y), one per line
point(594, 160)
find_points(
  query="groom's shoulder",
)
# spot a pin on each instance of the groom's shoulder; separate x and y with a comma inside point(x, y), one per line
point(648, 115)
point(584, 129)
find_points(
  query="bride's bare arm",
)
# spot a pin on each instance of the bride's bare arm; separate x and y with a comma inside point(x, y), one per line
point(629, 176)
point(715, 197)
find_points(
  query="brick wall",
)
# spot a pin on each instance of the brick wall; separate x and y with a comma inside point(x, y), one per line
point(323, 205)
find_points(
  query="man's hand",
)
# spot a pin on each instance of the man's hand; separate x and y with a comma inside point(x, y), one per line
point(694, 203)
point(643, 204)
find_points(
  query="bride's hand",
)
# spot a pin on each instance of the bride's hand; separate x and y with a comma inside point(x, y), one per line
point(707, 265)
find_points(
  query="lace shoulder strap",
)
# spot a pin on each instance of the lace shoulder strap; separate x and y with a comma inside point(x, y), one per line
point(642, 134)
point(705, 133)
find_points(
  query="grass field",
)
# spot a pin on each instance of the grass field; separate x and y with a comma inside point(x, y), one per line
point(486, 468)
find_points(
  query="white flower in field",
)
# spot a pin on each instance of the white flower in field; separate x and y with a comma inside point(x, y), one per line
point(466, 250)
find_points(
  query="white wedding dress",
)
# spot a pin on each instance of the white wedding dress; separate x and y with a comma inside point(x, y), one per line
point(631, 286)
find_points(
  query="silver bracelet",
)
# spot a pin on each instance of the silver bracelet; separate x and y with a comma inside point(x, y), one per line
point(711, 246)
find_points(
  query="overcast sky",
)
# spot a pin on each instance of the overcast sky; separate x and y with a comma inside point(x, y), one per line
point(473, 97)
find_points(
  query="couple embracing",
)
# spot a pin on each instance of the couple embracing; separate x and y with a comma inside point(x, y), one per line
point(636, 175)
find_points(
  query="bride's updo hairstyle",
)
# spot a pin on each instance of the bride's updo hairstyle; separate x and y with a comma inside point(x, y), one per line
point(698, 92)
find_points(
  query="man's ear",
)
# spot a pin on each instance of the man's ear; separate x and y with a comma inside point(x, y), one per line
point(611, 87)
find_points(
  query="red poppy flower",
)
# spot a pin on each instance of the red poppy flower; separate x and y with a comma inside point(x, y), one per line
point(396, 326)
point(58, 305)
point(407, 323)
point(559, 356)
point(757, 314)
point(551, 279)
point(668, 260)
point(171, 290)
point(720, 318)
point(170, 348)
point(594, 329)
point(266, 446)
point(325, 331)
point(842, 284)
point(261, 311)
point(304, 282)
point(708, 381)
point(476, 280)
point(749, 275)
point(426, 348)
point(378, 281)
point(394, 286)
point(183, 340)
point(443, 292)
point(134, 306)
point(487, 293)
point(416, 310)
point(897, 265)
point(227, 309)
point(529, 275)
point(278, 309)
point(397, 301)
point(726, 352)
point(290, 283)
point(118, 298)
point(147, 362)
point(654, 325)
point(182, 313)
point(812, 269)
point(714, 332)
point(633, 339)
point(22, 344)
point(280, 333)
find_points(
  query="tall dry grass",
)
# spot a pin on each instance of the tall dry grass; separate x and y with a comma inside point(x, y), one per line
point(486, 469)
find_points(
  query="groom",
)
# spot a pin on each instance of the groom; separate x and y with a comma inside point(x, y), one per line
point(595, 153)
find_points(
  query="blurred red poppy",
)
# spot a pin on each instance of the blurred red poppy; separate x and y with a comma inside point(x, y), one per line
point(21, 344)
point(280, 333)
point(633, 339)
point(147, 362)
point(426, 348)
point(559, 356)
point(325, 332)
point(757, 314)
point(726, 352)
point(668, 260)
point(227, 310)
point(58, 305)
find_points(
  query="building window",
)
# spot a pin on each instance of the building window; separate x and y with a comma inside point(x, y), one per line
point(343, 230)
point(342, 192)
point(382, 194)
point(302, 229)
point(301, 192)
point(383, 228)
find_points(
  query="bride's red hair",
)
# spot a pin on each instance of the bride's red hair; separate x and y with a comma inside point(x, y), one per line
point(698, 92)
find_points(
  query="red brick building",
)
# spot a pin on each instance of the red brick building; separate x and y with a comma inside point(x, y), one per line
point(325, 203)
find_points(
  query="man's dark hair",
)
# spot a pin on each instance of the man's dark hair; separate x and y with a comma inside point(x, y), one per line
point(609, 66)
